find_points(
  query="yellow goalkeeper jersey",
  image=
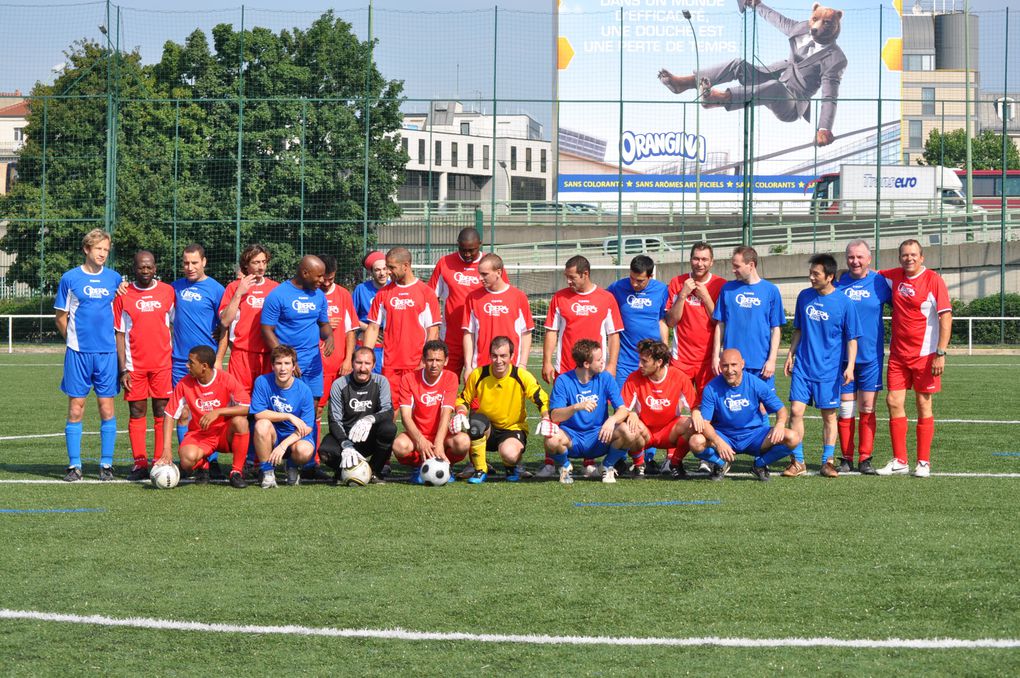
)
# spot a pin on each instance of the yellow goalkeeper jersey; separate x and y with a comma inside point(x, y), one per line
point(503, 400)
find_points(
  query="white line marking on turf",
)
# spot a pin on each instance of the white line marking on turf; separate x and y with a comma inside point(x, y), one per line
point(951, 421)
point(528, 639)
point(31, 365)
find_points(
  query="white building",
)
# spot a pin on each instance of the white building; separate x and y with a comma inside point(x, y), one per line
point(13, 114)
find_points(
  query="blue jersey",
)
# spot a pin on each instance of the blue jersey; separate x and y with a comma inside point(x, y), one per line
point(568, 390)
point(869, 294)
point(195, 315)
point(750, 312)
point(296, 314)
point(266, 394)
point(826, 323)
point(88, 300)
point(363, 295)
point(641, 312)
point(733, 409)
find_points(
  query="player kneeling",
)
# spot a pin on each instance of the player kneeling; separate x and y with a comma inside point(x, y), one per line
point(284, 410)
point(427, 398)
point(360, 419)
point(491, 410)
point(579, 425)
point(729, 420)
point(217, 405)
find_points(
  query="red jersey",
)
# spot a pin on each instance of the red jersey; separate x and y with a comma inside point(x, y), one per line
point(453, 280)
point(343, 319)
point(692, 337)
point(658, 404)
point(917, 303)
point(493, 314)
point(143, 316)
point(428, 400)
point(222, 391)
point(246, 328)
point(405, 312)
point(593, 315)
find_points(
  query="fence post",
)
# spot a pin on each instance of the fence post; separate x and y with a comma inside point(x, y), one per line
point(495, 161)
point(878, 148)
point(1002, 213)
point(240, 138)
point(42, 215)
point(177, 145)
point(619, 159)
point(368, 137)
point(970, 336)
point(301, 219)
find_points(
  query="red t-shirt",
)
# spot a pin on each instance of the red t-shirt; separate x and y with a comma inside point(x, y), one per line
point(917, 303)
point(340, 309)
point(453, 280)
point(692, 337)
point(493, 314)
point(593, 315)
point(428, 400)
point(143, 316)
point(405, 312)
point(658, 404)
point(223, 391)
point(246, 328)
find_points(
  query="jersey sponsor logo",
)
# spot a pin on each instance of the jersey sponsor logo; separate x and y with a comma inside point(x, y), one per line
point(735, 403)
point(191, 295)
point(303, 307)
point(855, 294)
point(206, 405)
point(634, 301)
point(95, 292)
point(333, 310)
point(584, 308)
point(462, 278)
point(148, 305)
point(359, 405)
point(401, 303)
point(431, 399)
point(816, 314)
point(280, 405)
point(657, 403)
point(693, 299)
point(906, 289)
point(587, 398)
point(747, 300)
point(496, 309)
point(254, 302)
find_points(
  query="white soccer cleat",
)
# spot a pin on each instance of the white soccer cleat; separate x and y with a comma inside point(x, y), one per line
point(705, 467)
point(547, 471)
point(608, 474)
point(895, 467)
point(268, 480)
point(922, 470)
point(566, 475)
point(467, 472)
point(592, 471)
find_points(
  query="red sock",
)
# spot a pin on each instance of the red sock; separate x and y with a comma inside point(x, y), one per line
point(638, 457)
point(136, 434)
point(589, 462)
point(549, 461)
point(414, 460)
point(238, 448)
point(846, 437)
point(925, 433)
point(677, 454)
point(898, 433)
point(201, 464)
point(866, 434)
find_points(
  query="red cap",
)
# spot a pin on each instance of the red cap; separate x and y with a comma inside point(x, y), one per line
point(371, 258)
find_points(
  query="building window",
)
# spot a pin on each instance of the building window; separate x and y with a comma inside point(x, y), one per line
point(485, 157)
point(439, 153)
point(927, 101)
point(421, 151)
point(527, 159)
point(464, 187)
point(471, 155)
point(513, 157)
point(19, 133)
point(914, 139)
point(919, 62)
point(465, 128)
point(453, 154)
point(542, 161)
point(403, 145)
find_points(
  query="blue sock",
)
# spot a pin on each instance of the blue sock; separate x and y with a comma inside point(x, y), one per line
point(649, 455)
point(776, 453)
point(72, 438)
point(798, 453)
point(711, 456)
point(613, 456)
point(107, 441)
point(250, 457)
point(827, 452)
point(560, 459)
point(213, 458)
point(181, 431)
point(289, 463)
point(266, 466)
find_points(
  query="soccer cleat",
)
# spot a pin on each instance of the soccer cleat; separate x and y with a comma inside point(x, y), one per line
point(718, 472)
point(523, 472)
point(315, 474)
point(651, 468)
point(268, 480)
point(200, 476)
point(760, 473)
point(478, 478)
point(566, 475)
point(865, 467)
point(73, 474)
point(415, 478)
point(795, 469)
point(467, 472)
point(608, 475)
point(237, 480)
point(385, 470)
point(592, 471)
point(293, 476)
point(922, 470)
point(678, 472)
point(249, 471)
point(846, 465)
point(895, 467)
point(547, 471)
point(513, 474)
point(828, 470)
point(215, 472)
point(638, 471)
point(138, 472)
point(376, 480)
point(704, 467)
point(105, 473)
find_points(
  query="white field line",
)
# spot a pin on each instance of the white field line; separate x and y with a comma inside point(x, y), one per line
point(528, 639)
point(31, 364)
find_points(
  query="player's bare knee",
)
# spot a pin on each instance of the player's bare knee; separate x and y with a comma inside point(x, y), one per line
point(239, 425)
point(697, 442)
point(263, 429)
point(301, 452)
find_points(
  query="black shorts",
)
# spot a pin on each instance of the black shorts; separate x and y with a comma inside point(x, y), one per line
point(498, 435)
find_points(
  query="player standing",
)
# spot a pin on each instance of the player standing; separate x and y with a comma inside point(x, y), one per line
point(341, 313)
point(922, 323)
point(83, 311)
point(241, 313)
point(284, 410)
point(869, 292)
point(498, 309)
point(142, 316)
point(822, 352)
point(363, 294)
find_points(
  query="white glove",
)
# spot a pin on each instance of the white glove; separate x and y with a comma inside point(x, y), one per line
point(360, 430)
point(349, 457)
point(547, 427)
point(460, 423)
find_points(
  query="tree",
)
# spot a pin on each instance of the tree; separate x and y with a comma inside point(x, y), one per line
point(950, 150)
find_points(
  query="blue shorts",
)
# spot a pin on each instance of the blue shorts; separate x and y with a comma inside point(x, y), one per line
point(622, 372)
point(822, 394)
point(178, 370)
point(867, 378)
point(377, 368)
point(310, 363)
point(85, 371)
point(746, 441)
point(585, 444)
point(282, 431)
point(771, 381)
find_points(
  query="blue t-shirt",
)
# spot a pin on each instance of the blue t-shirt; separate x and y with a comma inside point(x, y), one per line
point(195, 315)
point(266, 394)
point(363, 295)
point(568, 390)
point(296, 314)
point(826, 323)
point(869, 294)
point(641, 313)
point(88, 300)
point(750, 312)
point(733, 409)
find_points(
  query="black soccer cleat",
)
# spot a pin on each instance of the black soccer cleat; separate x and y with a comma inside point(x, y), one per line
point(200, 476)
point(215, 472)
point(865, 467)
point(105, 473)
point(845, 465)
point(73, 474)
point(138, 472)
point(237, 480)
point(760, 473)
point(718, 473)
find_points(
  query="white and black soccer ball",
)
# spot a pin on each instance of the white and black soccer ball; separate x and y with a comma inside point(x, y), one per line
point(435, 472)
point(165, 476)
point(358, 475)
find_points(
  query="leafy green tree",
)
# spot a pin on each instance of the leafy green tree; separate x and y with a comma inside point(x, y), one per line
point(950, 150)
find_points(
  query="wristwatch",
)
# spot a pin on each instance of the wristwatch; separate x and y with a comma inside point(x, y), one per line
point(940, 353)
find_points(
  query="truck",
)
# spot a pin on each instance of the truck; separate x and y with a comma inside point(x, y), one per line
point(905, 190)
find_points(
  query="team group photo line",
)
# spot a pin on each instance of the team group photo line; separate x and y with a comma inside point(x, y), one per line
point(637, 367)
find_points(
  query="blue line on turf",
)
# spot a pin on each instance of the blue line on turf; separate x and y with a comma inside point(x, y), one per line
point(1006, 454)
point(641, 504)
point(38, 511)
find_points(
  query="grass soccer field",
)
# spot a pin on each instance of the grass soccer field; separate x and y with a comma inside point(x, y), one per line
point(853, 576)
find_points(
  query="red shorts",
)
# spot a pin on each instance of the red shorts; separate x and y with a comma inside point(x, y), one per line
point(208, 440)
point(699, 374)
point(330, 373)
point(914, 373)
point(394, 375)
point(247, 366)
point(151, 384)
point(660, 437)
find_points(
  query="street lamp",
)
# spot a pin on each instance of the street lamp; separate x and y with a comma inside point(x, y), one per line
point(697, 116)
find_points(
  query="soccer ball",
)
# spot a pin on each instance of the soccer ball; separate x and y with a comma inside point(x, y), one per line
point(435, 472)
point(358, 475)
point(165, 476)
